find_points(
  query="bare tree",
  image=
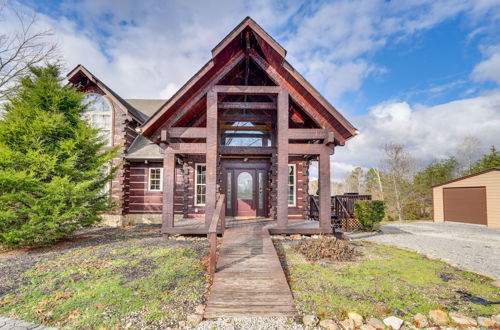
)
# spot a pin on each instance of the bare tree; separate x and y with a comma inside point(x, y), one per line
point(399, 169)
point(468, 151)
point(22, 49)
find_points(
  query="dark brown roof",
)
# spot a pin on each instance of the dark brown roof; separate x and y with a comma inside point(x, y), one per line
point(468, 176)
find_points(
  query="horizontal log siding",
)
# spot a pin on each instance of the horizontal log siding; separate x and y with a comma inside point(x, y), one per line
point(302, 181)
point(143, 201)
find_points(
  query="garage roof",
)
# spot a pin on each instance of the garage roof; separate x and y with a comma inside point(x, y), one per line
point(468, 176)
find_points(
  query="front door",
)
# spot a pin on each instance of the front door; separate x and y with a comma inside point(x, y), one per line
point(245, 197)
point(246, 188)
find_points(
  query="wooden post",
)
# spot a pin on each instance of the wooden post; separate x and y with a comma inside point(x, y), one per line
point(324, 190)
point(168, 190)
point(282, 144)
point(211, 157)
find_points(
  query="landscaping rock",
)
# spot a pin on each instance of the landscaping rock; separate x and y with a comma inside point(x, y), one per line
point(194, 319)
point(485, 322)
point(421, 320)
point(496, 319)
point(329, 324)
point(439, 317)
point(348, 324)
point(462, 319)
point(366, 327)
point(200, 309)
point(393, 322)
point(310, 320)
point(376, 323)
point(358, 319)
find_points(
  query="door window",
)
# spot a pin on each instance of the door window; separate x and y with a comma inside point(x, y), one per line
point(245, 186)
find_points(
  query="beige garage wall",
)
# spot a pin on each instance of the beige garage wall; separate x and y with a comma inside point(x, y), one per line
point(491, 180)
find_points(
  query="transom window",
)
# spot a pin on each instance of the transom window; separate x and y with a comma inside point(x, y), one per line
point(245, 134)
point(99, 114)
point(291, 185)
point(155, 179)
point(200, 184)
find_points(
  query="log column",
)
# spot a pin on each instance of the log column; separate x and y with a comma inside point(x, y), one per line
point(324, 190)
point(168, 190)
point(211, 158)
point(282, 144)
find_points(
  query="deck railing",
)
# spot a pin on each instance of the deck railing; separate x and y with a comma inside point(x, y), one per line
point(219, 217)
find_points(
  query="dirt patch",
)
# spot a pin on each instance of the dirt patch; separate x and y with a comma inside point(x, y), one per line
point(327, 248)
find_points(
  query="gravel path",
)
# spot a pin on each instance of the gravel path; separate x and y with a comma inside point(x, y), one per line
point(252, 323)
point(472, 247)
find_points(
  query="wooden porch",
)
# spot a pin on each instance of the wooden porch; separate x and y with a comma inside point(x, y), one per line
point(197, 226)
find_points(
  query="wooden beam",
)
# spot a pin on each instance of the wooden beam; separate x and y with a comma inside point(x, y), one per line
point(187, 132)
point(307, 133)
point(246, 128)
point(282, 152)
point(231, 150)
point(325, 207)
point(186, 148)
point(211, 158)
point(248, 105)
point(168, 191)
point(307, 149)
point(238, 89)
point(250, 118)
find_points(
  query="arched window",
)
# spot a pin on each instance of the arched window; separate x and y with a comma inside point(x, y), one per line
point(99, 114)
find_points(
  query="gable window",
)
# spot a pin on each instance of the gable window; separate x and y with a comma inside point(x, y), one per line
point(291, 184)
point(200, 184)
point(155, 179)
point(99, 115)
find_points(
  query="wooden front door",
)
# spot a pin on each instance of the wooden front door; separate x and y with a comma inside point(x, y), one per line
point(246, 189)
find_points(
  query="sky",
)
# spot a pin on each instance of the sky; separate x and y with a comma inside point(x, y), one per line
point(424, 73)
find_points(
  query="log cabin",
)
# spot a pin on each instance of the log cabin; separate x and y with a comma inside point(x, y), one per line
point(246, 126)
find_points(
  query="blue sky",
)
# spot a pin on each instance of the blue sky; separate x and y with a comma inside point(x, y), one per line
point(419, 72)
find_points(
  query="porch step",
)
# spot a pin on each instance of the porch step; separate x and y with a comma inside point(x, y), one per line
point(249, 280)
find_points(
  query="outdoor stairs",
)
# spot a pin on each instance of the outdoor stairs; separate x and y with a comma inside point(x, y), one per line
point(249, 280)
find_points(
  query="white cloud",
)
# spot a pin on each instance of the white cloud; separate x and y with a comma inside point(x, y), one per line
point(489, 69)
point(428, 132)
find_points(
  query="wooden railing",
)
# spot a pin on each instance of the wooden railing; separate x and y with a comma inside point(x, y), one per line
point(313, 208)
point(218, 217)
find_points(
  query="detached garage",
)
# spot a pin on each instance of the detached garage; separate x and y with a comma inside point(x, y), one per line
point(471, 199)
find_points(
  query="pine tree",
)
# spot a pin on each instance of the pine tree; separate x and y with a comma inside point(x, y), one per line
point(53, 168)
point(488, 161)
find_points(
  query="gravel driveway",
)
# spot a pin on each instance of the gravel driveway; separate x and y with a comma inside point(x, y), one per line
point(471, 247)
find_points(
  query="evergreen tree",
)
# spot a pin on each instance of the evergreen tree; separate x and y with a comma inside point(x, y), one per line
point(487, 161)
point(53, 169)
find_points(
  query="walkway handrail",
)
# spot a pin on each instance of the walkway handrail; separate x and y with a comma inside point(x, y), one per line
point(219, 216)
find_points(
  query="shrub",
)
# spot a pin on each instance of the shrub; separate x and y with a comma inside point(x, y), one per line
point(328, 248)
point(52, 165)
point(369, 213)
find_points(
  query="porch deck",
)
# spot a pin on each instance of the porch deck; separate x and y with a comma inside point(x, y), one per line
point(189, 226)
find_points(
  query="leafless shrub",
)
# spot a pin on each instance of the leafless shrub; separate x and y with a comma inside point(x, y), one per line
point(327, 248)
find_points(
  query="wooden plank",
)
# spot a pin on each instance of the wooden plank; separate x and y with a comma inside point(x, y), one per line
point(282, 153)
point(231, 150)
point(248, 105)
point(249, 280)
point(324, 190)
point(211, 156)
point(307, 149)
point(240, 89)
point(307, 133)
point(186, 148)
point(245, 118)
point(187, 132)
point(168, 191)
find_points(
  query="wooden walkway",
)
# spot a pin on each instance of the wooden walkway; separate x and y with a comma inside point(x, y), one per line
point(249, 280)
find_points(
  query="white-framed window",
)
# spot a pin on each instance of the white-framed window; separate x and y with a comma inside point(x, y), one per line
point(99, 114)
point(200, 184)
point(292, 194)
point(155, 179)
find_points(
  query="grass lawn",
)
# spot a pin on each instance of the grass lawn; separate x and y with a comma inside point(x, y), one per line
point(145, 281)
point(384, 281)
